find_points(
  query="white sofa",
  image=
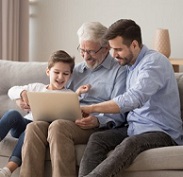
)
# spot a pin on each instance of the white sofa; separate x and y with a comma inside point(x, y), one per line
point(160, 162)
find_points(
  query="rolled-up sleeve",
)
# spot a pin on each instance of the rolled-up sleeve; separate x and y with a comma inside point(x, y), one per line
point(142, 83)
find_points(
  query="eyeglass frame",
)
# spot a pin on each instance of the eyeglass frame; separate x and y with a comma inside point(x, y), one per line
point(89, 52)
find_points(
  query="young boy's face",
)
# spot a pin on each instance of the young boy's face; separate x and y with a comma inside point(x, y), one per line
point(59, 75)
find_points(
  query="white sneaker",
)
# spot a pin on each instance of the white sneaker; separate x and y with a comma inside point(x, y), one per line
point(5, 172)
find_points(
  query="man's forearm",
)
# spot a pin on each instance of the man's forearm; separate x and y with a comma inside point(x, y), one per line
point(105, 107)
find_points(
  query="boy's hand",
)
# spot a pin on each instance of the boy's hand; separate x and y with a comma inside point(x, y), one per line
point(83, 89)
point(23, 103)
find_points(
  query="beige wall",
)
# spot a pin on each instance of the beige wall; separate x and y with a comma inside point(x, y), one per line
point(53, 23)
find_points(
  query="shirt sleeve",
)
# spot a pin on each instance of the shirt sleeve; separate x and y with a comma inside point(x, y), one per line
point(147, 80)
point(115, 120)
point(15, 91)
point(110, 120)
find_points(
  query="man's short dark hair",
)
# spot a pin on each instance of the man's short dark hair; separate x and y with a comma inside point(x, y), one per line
point(125, 28)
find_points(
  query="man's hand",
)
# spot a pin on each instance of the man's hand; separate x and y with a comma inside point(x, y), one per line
point(86, 110)
point(88, 122)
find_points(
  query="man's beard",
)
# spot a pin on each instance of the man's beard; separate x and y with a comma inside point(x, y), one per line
point(126, 60)
point(92, 66)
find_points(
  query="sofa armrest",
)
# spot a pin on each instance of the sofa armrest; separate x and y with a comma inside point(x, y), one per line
point(179, 77)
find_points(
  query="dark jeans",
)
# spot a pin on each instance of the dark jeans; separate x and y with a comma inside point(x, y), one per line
point(14, 122)
point(95, 162)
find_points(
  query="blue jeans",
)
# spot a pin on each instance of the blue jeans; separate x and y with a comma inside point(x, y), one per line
point(95, 162)
point(14, 122)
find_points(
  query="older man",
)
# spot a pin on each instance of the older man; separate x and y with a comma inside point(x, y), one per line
point(107, 80)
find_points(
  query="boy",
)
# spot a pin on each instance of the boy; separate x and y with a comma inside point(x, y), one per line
point(59, 71)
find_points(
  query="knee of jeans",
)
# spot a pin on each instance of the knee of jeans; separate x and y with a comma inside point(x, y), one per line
point(131, 141)
point(13, 114)
point(96, 137)
point(12, 111)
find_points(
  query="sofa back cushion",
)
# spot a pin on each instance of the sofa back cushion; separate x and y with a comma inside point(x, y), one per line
point(20, 73)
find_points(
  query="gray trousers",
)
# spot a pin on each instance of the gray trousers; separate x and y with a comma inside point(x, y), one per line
point(95, 162)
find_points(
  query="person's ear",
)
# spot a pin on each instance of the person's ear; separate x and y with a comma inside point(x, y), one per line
point(47, 72)
point(107, 47)
point(134, 44)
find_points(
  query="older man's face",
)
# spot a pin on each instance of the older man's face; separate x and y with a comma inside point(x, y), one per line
point(93, 53)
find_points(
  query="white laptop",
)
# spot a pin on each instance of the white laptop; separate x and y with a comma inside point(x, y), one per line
point(49, 106)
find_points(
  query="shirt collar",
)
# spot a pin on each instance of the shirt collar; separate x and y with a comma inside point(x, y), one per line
point(139, 58)
point(106, 64)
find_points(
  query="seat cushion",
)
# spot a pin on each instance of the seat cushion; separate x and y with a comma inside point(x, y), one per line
point(159, 159)
point(153, 159)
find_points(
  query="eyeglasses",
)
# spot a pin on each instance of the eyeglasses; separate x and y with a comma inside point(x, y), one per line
point(89, 52)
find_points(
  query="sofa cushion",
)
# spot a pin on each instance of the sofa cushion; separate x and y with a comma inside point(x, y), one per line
point(153, 159)
point(20, 73)
point(7, 145)
point(159, 159)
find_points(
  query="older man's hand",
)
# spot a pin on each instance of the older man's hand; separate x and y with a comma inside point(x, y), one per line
point(88, 122)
